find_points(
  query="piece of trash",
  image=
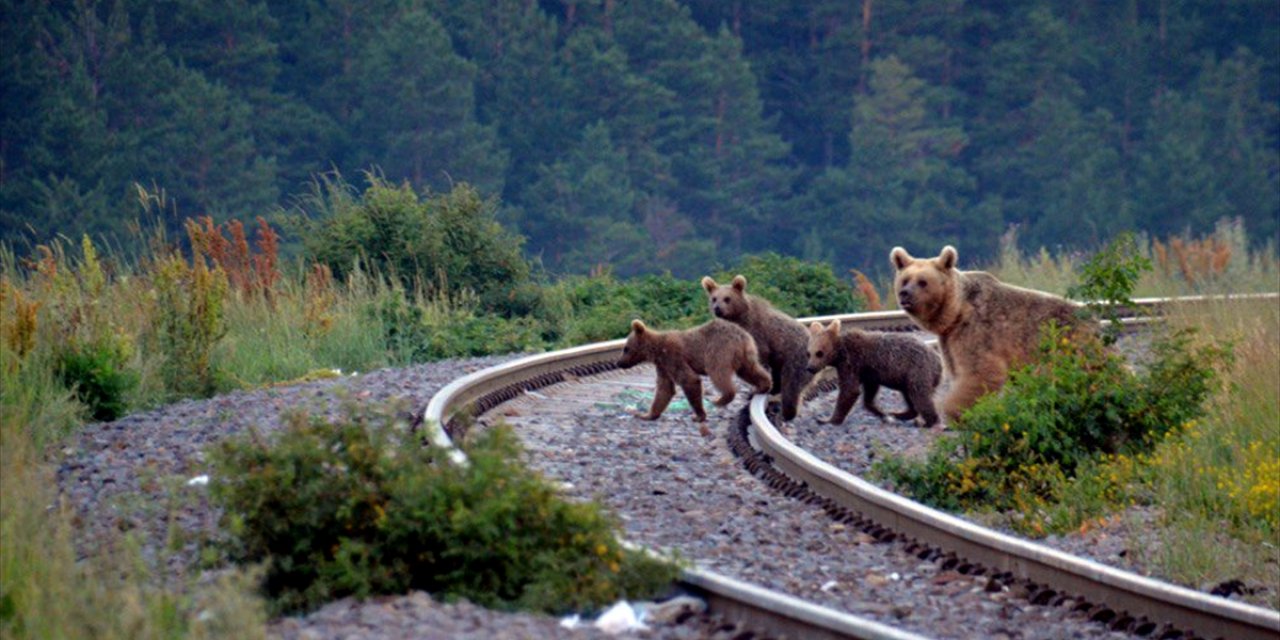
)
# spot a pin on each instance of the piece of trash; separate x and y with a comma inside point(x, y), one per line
point(570, 622)
point(620, 618)
point(536, 395)
point(894, 576)
point(829, 585)
point(198, 481)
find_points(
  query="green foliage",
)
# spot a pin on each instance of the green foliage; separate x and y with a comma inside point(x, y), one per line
point(443, 244)
point(359, 507)
point(795, 286)
point(602, 307)
point(414, 331)
point(1017, 449)
point(98, 373)
point(1108, 278)
point(190, 320)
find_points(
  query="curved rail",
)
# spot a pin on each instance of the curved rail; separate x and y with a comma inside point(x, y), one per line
point(1141, 597)
point(762, 609)
point(1180, 608)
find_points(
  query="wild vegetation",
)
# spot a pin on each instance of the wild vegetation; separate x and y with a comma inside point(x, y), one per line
point(1078, 439)
point(658, 136)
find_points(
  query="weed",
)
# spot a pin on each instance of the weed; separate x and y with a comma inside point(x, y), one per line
point(358, 507)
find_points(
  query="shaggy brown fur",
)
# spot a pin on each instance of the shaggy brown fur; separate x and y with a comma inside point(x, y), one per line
point(874, 359)
point(781, 340)
point(985, 327)
point(717, 349)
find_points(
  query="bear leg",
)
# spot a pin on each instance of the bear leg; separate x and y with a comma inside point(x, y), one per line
point(722, 380)
point(871, 388)
point(693, 393)
point(662, 395)
point(845, 399)
point(756, 376)
point(794, 379)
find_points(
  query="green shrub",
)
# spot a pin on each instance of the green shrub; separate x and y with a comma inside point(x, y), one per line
point(601, 307)
point(190, 320)
point(797, 287)
point(438, 245)
point(358, 507)
point(98, 373)
point(1077, 404)
point(1107, 279)
point(426, 331)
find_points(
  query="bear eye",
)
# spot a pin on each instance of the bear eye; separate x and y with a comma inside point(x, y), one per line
point(817, 354)
point(626, 349)
point(924, 284)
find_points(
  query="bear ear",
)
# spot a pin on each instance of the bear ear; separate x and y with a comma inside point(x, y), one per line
point(637, 326)
point(815, 327)
point(709, 284)
point(740, 282)
point(834, 327)
point(947, 260)
point(900, 258)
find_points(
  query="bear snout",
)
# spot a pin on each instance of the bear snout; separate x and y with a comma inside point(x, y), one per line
point(813, 369)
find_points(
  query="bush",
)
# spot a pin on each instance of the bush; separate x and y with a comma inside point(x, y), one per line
point(190, 320)
point(601, 307)
point(440, 245)
point(797, 287)
point(1078, 404)
point(98, 374)
point(422, 332)
point(357, 507)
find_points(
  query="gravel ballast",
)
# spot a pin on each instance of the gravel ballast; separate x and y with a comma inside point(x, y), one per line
point(670, 487)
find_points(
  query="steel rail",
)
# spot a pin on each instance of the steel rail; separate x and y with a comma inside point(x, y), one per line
point(450, 409)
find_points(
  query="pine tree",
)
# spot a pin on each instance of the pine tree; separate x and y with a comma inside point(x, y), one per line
point(415, 115)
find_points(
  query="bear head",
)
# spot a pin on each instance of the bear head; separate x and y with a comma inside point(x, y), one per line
point(727, 301)
point(924, 285)
point(823, 343)
point(635, 351)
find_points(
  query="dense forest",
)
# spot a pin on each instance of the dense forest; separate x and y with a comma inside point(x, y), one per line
point(656, 135)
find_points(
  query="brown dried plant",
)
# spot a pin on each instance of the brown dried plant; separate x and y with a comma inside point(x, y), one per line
point(866, 291)
point(247, 272)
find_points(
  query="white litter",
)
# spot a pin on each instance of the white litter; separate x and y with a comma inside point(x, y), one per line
point(620, 618)
point(198, 481)
point(829, 585)
point(894, 576)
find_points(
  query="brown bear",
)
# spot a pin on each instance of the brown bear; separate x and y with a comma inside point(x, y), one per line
point(985, 328)
point(717, 349)
point(874, 359)
point(782, 341)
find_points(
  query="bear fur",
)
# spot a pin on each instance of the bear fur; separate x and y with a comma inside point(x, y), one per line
point(985, 328)
point(782, 341)
point(874, 359)
point(717, 349)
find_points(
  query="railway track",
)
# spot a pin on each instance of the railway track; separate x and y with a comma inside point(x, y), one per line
point(1120, 600)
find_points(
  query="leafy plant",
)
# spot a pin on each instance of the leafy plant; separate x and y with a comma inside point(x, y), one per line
point(359, 507)
point(98, 373)
point(1107, 281)
point(795, 286)
point(190, 319)
point(1075, 405)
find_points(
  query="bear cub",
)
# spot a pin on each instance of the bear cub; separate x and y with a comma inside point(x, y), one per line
point(781, 340)
point(717, 349)
point(871, 360)
point(985, 328)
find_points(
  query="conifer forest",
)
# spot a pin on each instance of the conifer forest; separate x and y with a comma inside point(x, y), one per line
point(650, 136)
